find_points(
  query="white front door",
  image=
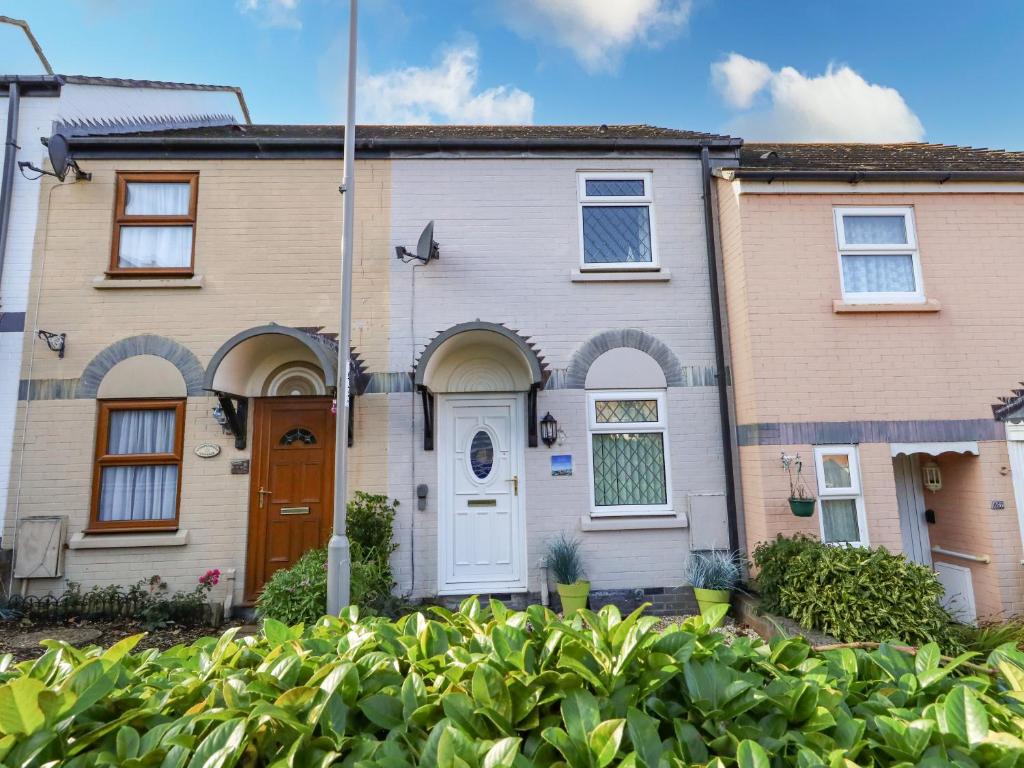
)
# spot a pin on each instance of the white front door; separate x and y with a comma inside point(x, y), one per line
point(481, 530)
point(910, 499)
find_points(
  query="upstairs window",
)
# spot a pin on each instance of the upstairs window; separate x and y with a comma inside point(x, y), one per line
point(878, 255)
point(137, 473)
point(154, 224)
point(617, 221)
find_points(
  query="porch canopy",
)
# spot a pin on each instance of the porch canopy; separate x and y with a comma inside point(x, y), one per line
point(253, 362)
point(478, 357)
point(934, 449)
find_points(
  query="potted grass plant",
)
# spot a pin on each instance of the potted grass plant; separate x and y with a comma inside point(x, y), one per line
point(801, 501)
point(565, 563)
point(714, 575)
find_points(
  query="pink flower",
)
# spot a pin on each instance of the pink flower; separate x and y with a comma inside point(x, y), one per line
point(210, 578)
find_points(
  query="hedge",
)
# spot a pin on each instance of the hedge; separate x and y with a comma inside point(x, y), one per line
point(853, 593)
point(486, 687)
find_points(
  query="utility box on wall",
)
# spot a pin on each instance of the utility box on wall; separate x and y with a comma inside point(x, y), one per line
point(39, 547)
point(709, 524)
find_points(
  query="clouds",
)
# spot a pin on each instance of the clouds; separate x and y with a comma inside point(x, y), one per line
point(272, 13)
point(444, 93)
point(838, 105)
point(598, 32)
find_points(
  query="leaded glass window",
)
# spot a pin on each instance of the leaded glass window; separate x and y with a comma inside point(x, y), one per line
point(481, 454)
point(617, 220)
point(629, 453)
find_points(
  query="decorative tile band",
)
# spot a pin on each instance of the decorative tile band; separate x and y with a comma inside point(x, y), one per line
point(826, 432)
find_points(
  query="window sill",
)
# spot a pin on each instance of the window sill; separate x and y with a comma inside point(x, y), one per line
point(103, 282)
point(844, 307)
point(623, 276)
point(637, 523)
point(93, 540)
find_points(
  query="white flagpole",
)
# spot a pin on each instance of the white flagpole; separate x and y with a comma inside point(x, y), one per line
point(339, 560)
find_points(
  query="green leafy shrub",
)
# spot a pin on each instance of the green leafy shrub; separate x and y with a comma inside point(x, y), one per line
point(487, 687)
point(299, 594)
point(853, 593)
point(296, 595)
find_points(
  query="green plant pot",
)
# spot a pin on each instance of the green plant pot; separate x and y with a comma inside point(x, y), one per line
point(574, 596)
point(802, 507)
point(708, 598)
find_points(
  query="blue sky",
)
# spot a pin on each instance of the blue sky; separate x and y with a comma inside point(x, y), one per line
point(814, 70)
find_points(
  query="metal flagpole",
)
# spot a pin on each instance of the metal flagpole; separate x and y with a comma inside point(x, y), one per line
point(339, 560)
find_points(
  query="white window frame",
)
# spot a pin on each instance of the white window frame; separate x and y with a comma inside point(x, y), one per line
point(908, 248)
point(854, 491)
point(659, 426)
point(608, 201)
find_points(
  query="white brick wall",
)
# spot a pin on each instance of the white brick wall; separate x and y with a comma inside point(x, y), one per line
point(508, 234)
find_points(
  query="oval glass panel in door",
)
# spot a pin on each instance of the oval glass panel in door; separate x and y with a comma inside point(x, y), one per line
point(481, 454)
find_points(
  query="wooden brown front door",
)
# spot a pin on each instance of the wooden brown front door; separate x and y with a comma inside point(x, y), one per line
point(291, 484)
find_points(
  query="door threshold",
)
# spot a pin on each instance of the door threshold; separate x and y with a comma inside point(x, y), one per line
point(469, 589)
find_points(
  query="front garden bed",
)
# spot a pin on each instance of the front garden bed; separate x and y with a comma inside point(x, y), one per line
point(486, 686)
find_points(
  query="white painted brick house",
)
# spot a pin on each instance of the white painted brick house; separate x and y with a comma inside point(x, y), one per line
point(572, 280)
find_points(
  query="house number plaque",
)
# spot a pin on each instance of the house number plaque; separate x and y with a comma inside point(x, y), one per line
point(207, 450)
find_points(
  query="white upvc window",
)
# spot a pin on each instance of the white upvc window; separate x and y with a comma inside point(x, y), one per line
point(629, 453)
point(878, 258)
point(842, 518)
point(616, 220)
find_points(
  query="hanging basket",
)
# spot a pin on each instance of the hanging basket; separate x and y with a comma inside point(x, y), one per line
point(802, 507)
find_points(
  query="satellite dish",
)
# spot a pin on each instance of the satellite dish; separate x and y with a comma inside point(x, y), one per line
point(426, 248)
point(60, 158)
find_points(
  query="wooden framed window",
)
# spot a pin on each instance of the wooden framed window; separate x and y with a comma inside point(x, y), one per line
point(137, 472)
point(154, 224)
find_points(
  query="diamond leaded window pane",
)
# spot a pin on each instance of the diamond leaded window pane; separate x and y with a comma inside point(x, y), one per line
point(626, 411)
point(615, 187)
point(629, 469)
point(616, 234)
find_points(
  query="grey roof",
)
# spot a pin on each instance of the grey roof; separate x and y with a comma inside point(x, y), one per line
point(481, 132)
point(53, 82)
point(863, 157)
point(326, 141)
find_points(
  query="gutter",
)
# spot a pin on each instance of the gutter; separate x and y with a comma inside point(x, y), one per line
point(92, 147)
point(853, 177)
point(7, 179)
point(721, 379)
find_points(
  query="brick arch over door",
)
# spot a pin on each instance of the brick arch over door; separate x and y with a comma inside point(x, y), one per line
point(148, 344)
point(634, 338)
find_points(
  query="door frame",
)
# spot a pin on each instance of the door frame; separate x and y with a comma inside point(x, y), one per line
point(256, 544)
point(445, 479)
point(908, 468)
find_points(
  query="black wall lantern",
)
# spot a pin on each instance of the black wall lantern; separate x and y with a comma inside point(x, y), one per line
point(55, 341)
point(549, 429)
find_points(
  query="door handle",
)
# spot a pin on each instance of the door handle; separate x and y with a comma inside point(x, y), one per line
point(515, 484)
point(262, 492)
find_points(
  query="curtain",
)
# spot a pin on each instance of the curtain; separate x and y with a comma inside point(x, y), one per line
point(148, 431)
point(884, 230)
point(139, 492)
point(836, 470)
point(153, 247)
point(151, 199)
point(839, 519)
point(878, 274)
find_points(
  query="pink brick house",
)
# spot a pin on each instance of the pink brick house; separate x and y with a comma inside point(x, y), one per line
point(869, 292)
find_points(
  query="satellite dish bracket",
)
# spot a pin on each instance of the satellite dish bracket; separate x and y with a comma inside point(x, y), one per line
point(426, 249)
